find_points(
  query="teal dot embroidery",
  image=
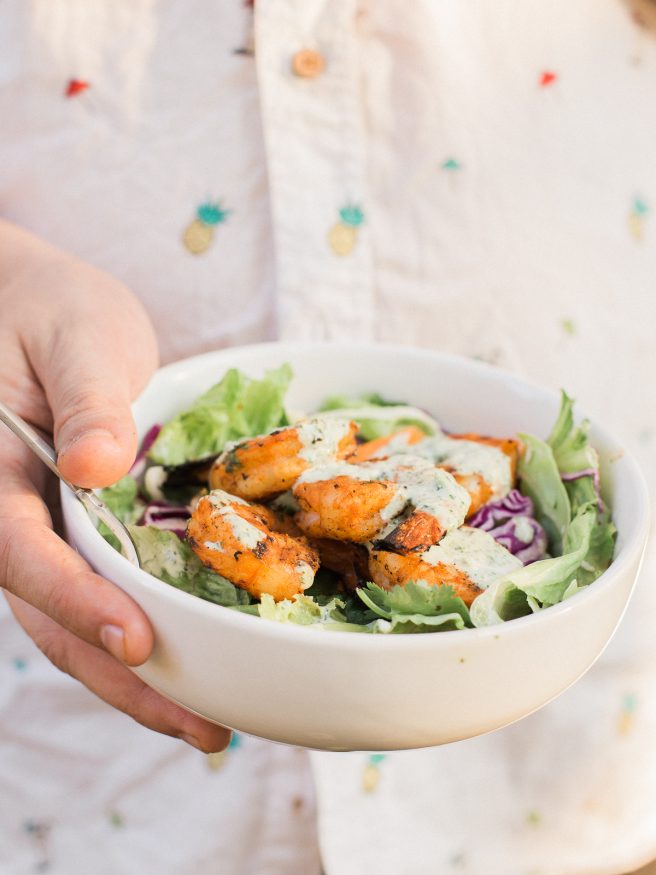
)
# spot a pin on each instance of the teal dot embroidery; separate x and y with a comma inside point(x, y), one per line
point(351, 215)
point(235, 741)
point(640, 207)
point(376, 758)
point(212, 213)
point(19, 664)
point(629, 703)
point(451, 164)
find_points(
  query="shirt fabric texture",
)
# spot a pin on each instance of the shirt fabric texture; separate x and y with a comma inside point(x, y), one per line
point(501, 158)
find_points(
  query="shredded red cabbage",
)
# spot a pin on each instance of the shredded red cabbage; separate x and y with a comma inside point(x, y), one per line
point(495, 512)
point(596, 482)
point(527, 551)
point(506, 518)
point(139, 464)
point(162, 515)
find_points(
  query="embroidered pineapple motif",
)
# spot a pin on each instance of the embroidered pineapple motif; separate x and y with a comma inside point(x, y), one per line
point(636, 219)
point(199, 234)
point(343, 236)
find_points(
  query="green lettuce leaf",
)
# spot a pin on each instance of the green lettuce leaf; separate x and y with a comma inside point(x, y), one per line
point(413, 623)
point(303, 610)
point(377, 417)
point(237, 407)
point(373, 399)
point(540, 481)
point(166, 557)
point(600, 553)
point(545, 582)
point(416, 598)
point(573, 453)
point(569, 442)
point(121, 499)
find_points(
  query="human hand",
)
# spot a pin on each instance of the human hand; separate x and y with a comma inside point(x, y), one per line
point(75, 348)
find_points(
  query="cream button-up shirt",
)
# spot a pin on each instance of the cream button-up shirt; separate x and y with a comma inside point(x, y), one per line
point(477, 178)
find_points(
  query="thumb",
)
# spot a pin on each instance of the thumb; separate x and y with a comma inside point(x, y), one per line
point(89, 386)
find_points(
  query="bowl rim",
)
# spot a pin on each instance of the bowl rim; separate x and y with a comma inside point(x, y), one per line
point(631, 552)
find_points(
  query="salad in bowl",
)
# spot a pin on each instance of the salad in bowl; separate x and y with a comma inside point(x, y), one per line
point(366, 515)
point(328, 567)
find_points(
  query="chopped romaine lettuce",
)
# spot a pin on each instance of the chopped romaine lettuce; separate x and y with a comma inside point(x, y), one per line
point(236, 407)
point(304, 610)
point(165, 556)
point(122, 499)
point(545, 581)
point(376, 417)
point(541, 482)
point(373, 399)
point(570, 444)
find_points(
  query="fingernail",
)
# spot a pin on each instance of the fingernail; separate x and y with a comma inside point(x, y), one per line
point(192, 740)
point(113, 640)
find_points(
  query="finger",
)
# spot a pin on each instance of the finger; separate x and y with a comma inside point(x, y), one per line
point(115, 684)
point(89, 381)
point(41, 569)
point(93, 427)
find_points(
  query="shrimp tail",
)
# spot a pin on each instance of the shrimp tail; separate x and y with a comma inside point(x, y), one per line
point(415, 534)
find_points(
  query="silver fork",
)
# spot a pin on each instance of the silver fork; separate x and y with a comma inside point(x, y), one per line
point(93, 505)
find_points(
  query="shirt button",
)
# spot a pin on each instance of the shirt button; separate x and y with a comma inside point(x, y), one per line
point(308, 64)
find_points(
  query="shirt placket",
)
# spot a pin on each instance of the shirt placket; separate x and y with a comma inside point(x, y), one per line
point(306, 54)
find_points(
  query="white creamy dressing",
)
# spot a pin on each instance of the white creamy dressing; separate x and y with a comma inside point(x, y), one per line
point(366, 471)
point(523, 529)
point(219, 498)
point(306, 573)
point(476, 553)
point(400, 443)
point(246, 533)
point(213, 545)
point(419, 484)
point(467, 457)
point(154, 479)
point(436, 492)
point(320, 437)
point(163, 555)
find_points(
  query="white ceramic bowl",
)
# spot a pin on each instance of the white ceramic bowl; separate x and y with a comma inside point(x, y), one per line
point(337, 690)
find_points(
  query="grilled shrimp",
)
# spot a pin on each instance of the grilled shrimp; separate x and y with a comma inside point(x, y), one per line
point(467, 559)
point(344, 508)
point(484, 466)
point(264, 466)
point(350, 561)
point(391, 569)
point(406, 501)
point(479, 490)
point(244, 543)
point(508, 446)
point(382, 447)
